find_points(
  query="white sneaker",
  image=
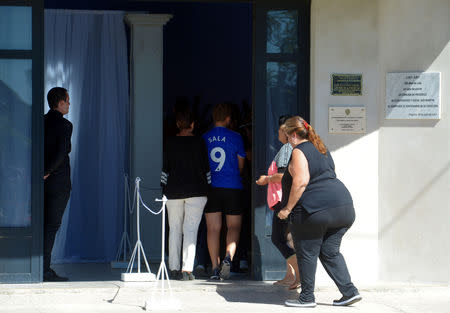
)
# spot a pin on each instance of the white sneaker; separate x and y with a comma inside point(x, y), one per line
point(225, 269)
point(301, 304)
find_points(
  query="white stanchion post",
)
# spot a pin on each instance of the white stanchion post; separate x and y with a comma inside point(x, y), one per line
point(162, 303)
point(138, 248)
point(125, 245)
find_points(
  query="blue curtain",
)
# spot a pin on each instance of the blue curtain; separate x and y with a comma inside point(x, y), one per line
point(86, 52)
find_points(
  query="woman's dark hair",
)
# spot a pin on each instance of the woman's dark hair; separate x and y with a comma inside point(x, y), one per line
point(305, 131)
point(184, 119)
point(283, 118)
point(55, 95)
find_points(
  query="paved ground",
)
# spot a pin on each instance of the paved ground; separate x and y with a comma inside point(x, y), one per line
point(203, 296)
point(237, 295)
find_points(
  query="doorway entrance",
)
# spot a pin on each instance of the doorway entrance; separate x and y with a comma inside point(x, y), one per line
point(207, 63)
point(275, 81)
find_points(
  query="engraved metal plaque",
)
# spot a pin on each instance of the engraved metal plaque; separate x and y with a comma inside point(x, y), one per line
point(346, 84)
point(346, 120)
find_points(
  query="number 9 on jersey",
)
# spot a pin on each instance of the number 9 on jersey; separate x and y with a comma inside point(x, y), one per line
point(220, 159)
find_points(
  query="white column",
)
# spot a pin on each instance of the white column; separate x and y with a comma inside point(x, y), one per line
point(146, 117)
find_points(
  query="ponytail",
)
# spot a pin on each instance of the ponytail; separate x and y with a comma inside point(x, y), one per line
point(316, 141)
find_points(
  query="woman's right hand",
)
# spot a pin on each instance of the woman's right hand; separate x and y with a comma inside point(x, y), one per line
point(263, 180)
point(284, 213)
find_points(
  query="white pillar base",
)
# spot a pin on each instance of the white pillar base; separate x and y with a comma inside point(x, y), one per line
point(138, 277)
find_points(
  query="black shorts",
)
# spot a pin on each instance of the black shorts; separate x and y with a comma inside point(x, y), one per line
point(225, 200)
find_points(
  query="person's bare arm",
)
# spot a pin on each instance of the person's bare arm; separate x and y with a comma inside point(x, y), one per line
point(300, 178)
point(241, 162)
point(265, 179)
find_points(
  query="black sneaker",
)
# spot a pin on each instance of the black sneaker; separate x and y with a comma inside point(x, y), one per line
point(226, 268)
point(200, 271)
point(299, 304)
point(187, 276)
point(215, 274)
point(50, 275)
point(174, 275)
point(344, 301)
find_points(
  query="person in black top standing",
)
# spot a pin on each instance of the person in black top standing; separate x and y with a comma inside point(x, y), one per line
point(320, 211)
point(57, 185)
point(185, 179)
point(281, 236)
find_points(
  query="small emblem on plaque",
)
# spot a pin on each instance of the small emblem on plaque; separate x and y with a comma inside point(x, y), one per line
point(347, 120)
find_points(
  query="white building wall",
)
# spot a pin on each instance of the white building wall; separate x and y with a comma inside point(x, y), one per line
point(398, 172)
point(414, 230)
point(344, 40)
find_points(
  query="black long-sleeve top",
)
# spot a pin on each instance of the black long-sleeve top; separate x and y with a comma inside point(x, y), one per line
point(185, 171)
point(57, 146)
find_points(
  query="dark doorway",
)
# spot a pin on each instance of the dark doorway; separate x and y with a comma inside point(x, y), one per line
point(208, 60)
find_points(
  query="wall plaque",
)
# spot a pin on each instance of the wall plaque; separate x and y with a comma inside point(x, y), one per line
point(413, 95)
point(346, 120)
point(346, 84)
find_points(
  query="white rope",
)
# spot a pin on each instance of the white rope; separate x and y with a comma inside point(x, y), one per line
point(145, 206)
point(138, 192)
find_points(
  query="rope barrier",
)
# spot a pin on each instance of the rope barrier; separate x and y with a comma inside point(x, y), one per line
point(158, 298)
point(145, 206)
point(137, 191)
point(138, 248)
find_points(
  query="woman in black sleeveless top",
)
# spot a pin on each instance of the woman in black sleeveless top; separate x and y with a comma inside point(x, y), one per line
point(320, 211)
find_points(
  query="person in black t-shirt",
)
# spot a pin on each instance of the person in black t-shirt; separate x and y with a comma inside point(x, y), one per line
point(185, 178)
point(320, 211)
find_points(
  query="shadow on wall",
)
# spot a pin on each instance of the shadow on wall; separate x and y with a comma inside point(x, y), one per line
point(384, 229)
point(420, 46)
point(376, 117)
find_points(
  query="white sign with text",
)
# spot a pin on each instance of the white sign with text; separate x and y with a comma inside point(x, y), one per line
point(346, 120)
point(413, 95)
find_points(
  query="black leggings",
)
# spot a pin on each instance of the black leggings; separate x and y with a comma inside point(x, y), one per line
point(280, 230)
point(319, 235)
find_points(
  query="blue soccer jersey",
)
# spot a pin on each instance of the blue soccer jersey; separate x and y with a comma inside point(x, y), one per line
point(224, 147)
